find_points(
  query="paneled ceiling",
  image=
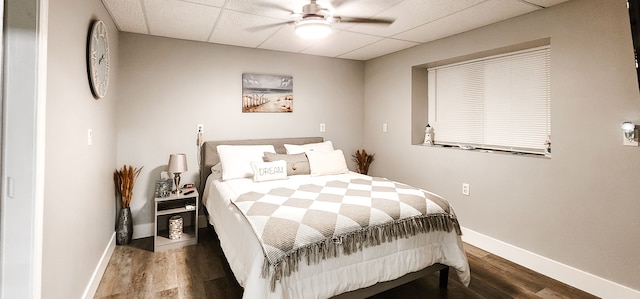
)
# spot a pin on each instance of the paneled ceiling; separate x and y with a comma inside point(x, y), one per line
point(250, 23)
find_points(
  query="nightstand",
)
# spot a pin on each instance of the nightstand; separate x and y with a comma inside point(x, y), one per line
point(183, 205)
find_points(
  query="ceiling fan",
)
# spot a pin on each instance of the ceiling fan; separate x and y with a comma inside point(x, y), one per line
point(315, 20)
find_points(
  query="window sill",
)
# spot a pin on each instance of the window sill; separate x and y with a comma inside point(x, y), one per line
point(486, 151)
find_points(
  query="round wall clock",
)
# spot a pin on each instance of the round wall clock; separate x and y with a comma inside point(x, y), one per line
point(99, 59)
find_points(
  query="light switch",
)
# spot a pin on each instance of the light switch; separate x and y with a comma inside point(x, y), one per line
point(89, 137)
point(385, 128)
point(10, 187)
point(322, 127)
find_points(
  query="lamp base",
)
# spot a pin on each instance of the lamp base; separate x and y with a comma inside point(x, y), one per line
point(176, 181)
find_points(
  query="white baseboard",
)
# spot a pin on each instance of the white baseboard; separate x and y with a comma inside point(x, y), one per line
point(566, 274)
point(146, 229)
point(94, 282)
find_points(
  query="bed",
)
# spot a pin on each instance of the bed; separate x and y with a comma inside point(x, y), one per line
point(345, 264)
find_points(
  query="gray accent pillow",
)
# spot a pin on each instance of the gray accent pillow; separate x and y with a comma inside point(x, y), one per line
point(296, 163)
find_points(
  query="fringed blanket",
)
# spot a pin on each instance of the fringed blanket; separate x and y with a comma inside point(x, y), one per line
point(316, 222)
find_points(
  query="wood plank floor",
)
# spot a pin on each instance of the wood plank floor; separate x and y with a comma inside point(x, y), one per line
point(201, 271)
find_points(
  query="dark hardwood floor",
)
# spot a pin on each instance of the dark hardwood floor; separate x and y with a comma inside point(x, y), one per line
point(201, 271)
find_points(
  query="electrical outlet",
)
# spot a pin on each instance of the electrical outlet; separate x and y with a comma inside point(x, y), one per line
point(201, 128)
point(10, 187)
point(465, 189)
point(89, 137)
point(322, 127)
point(385, 128)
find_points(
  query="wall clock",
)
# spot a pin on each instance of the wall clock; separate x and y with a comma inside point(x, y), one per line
point(99, 59)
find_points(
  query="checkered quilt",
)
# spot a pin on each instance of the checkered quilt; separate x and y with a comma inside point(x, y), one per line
point(320, 221)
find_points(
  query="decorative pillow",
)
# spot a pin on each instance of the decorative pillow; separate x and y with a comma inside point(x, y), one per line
point(269, 171)
point(236, 159)
point(297, 149)
point(324, 163)
point(296, 164)
point(216, 171)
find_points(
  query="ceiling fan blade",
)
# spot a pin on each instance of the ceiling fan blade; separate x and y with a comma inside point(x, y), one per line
point(267, 26)
point(363, 20)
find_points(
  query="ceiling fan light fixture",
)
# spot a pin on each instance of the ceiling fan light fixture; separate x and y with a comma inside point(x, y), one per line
point(315, 28)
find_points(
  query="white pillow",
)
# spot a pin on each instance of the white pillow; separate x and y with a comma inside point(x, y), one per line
point(269, 171)
point(236, 159)
point(327, 162)
point(297, 149)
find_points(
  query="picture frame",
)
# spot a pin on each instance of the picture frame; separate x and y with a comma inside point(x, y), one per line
point(163, 188)
point(267, 93)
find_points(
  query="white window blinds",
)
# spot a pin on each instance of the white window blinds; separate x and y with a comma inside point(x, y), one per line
point(499, 102)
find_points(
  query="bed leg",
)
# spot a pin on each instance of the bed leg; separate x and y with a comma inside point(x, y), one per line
point(444, 278)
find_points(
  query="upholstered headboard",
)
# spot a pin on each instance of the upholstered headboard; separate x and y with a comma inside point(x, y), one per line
point(210, 157)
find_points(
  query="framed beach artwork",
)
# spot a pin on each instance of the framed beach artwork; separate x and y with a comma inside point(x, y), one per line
point(267, 93)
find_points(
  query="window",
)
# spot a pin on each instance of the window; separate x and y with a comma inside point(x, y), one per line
point(501, 102)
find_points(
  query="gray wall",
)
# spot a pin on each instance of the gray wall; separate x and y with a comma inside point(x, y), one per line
point(79, 205)
point(580, 207)
point(168, 86)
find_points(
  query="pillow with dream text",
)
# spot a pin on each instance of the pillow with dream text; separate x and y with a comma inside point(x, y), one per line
point(236, 159)
point(325, 163)
point(269, 171)
point(296, 164)
point(297, 149)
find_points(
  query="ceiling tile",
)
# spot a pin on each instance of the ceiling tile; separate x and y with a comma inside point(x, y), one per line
point(340, 42)
point(546, 3)
point(239, 29)
point(355, 9)
point(248, 23)
point(379, 48)
point(491, 11)
point(216, 3)
point(281, 9)
point(178, 19)
point(128, 15)
point(410, 14)
point(286, 40)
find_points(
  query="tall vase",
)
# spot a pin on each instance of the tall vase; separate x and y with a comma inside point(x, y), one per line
point(124, 227)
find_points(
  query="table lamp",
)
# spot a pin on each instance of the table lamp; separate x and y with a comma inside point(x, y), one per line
point(177, 165)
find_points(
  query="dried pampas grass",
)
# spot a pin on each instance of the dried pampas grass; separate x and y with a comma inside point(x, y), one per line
point(124, 179)
point(363, 160)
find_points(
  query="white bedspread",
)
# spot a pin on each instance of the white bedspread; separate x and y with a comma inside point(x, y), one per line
point(385, 262)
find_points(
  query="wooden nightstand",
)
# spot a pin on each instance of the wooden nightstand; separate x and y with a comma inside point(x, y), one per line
point(182, 205)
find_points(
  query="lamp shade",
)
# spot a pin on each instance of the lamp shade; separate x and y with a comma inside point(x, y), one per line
point(177, 163)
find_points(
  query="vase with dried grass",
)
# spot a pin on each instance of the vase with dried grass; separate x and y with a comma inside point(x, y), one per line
point(363, 161)
point(124, 179)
